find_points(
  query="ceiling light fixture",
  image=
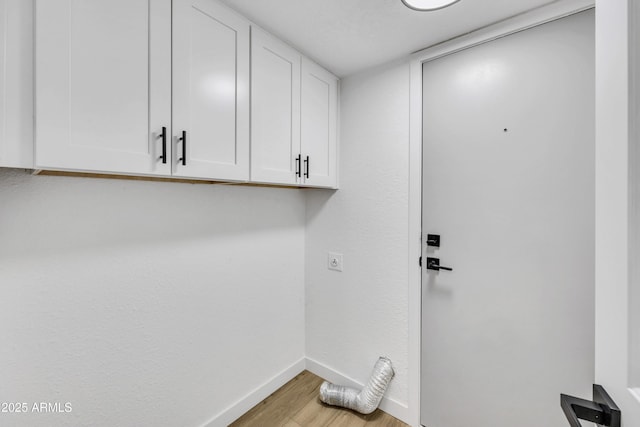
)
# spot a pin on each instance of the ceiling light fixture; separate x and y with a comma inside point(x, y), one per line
point(426, 5)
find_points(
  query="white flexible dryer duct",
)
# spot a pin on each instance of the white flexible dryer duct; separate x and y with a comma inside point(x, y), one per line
point(366, 400)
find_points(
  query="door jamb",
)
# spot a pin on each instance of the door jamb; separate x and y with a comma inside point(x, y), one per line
point(524, 21)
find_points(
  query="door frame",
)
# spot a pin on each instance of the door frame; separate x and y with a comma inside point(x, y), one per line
point(617, 343)
point(504, 28)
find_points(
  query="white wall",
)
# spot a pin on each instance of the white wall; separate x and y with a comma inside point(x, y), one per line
point(356, 316)
point(145, 303)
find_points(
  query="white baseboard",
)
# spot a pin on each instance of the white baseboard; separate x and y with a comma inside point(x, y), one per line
point(235, 411)
point(390, 406)
point(242, 406)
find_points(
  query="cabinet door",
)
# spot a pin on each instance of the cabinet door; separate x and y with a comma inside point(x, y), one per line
point(210, 91)
point(103, 85)
point(16, 83)
point(275, 110)
point(319, 125)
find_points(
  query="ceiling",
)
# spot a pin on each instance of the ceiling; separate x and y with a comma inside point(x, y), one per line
point(347, 36)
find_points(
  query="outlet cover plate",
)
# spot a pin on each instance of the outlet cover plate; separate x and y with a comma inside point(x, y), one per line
point(334, 261)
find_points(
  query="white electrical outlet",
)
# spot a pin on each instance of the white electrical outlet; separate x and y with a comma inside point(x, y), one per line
point(334, 261)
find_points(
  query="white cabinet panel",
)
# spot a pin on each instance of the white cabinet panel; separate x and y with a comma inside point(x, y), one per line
point(103, 84)
point(275, 110)
point(120, 82)
point(294, 115)
point(16, 83)
point(210, 91)
point(319, 125)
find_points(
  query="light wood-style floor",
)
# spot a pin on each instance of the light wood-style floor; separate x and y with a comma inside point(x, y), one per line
point(297, 404)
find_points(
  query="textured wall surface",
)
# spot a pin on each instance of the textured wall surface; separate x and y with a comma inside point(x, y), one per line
point(144, 303)
point(357, 315)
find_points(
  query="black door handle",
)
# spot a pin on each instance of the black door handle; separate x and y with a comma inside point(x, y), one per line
point(434, 264)
point(307, 164)
point(183, 138)
point(602, 410)
point(299, 166)
point(164, 145)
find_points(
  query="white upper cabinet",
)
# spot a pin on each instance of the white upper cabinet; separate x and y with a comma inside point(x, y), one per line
point(294, 115)
point(175, 88)
point(16, 83)
point(210, 91)
point(275, 111)
point(319, 126)
point(103, 85)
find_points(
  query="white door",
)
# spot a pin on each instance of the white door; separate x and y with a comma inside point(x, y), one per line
point(210, 91)
point(508, 174)
point(16, 83)
point(103, 85)
point(275, 111)
point(319, 126)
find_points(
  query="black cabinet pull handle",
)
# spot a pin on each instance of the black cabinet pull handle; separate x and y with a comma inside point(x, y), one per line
point(183, 138)
point(164, 145)
point(434, 264)
point(306, 167)
point(299, 166)
point(602, 410)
